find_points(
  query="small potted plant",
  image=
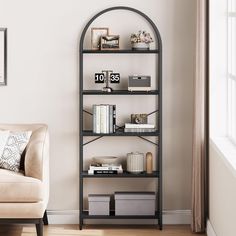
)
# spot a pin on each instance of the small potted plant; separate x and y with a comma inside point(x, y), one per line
point(140, 40)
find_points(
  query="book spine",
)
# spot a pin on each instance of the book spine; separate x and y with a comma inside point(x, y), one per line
point(94, 119)
point(107, 119)
point(105, 168)
point(97, 120)
point(105, 172)
point(144, 126)
point(103, 119)
point(99, 168)
point(111, 119)
point(138, 130)
point(114, 118)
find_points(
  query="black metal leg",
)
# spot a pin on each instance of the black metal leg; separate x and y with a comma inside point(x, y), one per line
point(45, 218)
point(160, 222)
point(160, 227)
point(80, 223)
point(39, 228)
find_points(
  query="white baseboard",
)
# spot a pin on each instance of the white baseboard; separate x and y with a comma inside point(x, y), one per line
point(63, 217)
point(72, 217)
point(177, 217)
point(210, 230)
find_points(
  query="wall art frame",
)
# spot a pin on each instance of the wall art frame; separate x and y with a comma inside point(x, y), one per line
point(3, 56)
point(96, 34)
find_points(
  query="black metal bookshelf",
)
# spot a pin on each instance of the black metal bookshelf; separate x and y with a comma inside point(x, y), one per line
point(157, 174)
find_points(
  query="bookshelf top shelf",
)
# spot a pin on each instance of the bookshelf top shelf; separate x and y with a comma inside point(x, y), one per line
point(120, 51)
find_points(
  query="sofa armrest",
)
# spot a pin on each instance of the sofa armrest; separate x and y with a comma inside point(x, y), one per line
point(37, 155)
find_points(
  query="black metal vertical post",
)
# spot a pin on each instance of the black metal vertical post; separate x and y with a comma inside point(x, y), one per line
point(81, 131)
point(160, 132)
point(207, 106)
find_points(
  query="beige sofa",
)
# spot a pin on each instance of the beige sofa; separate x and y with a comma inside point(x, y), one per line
point(24, 197)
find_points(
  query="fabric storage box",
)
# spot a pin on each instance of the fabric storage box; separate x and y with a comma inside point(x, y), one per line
point(135, 203)
point(99, 204)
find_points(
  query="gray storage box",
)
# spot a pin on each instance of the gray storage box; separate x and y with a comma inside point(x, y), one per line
point(135, 203)
point(99, 204)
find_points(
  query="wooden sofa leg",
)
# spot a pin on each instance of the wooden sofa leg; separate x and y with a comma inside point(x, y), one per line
point(39, 228)
point(45, 218)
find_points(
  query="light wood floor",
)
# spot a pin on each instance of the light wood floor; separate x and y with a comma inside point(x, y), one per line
point(73, 230)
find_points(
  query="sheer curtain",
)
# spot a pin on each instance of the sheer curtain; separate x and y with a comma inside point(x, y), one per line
point(200, 123)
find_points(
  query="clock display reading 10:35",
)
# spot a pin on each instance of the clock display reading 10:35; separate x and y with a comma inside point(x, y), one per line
point(100, 78)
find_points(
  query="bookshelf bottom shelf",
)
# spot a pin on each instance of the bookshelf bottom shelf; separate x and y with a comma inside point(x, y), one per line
point(85, 215)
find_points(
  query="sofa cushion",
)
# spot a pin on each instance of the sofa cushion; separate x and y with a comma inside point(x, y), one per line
point(15, 187)
point(3, 140)
point(15, 145)
point(16, 210)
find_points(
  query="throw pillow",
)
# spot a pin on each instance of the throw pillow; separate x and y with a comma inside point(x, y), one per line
point(3, 140)
point(15, 145)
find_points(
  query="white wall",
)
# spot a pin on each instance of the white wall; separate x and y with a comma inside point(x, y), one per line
point(222, 194)
point(43, 86)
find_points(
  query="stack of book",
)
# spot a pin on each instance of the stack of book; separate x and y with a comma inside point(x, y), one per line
point(105, 169)
point(104, 118)
point(139, 128)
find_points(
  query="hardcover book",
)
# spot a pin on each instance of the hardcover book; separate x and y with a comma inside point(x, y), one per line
point(104, 118)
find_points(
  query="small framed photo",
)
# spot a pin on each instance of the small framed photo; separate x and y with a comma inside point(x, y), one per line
point(110, 42)
point(96, 34)
point(3, 56)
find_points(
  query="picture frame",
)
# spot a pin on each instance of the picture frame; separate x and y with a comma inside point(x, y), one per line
point(110, 42)
point(3, 56)
point(96, 34)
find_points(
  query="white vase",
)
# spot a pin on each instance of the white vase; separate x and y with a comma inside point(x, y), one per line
point(140, 46)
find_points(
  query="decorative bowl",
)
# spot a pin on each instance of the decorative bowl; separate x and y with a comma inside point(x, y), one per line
point(106, 160)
